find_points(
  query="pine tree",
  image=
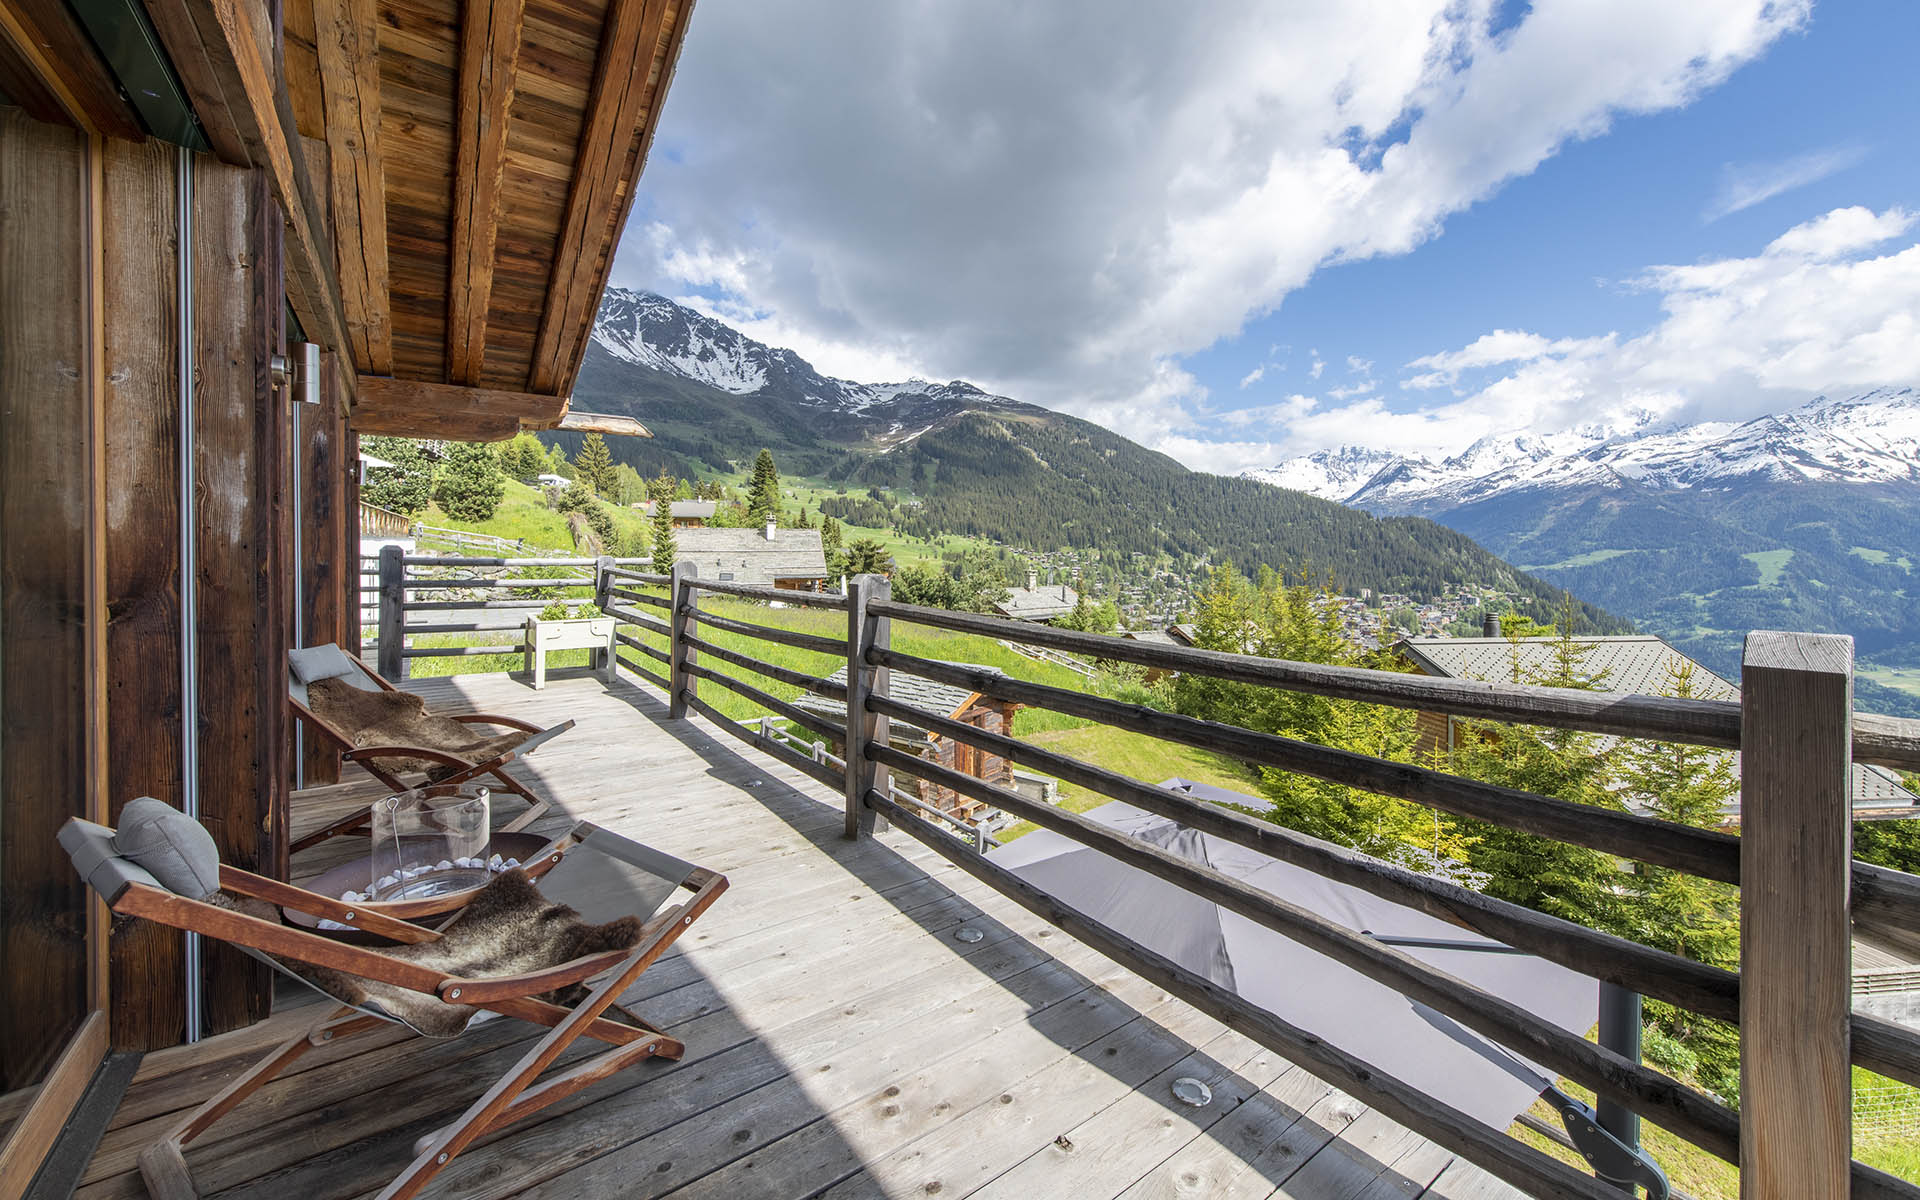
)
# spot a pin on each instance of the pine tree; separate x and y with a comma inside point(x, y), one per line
point(865, 556)
point(763, 490)
point(595, 464)
point(470, 484)
point(523, 457)
point(404, 487)
point(661, 490)
point(830, 533)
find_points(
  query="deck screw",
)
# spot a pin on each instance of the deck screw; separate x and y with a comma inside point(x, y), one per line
point(441, 1159)
point(349, 916)
point(326, 1035)
point(968, 933)
point(454, 994)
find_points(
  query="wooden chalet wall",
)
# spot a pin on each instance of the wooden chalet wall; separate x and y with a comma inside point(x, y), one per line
point(91, 617)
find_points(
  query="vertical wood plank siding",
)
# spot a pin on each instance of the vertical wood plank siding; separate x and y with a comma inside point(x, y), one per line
point(43, 654)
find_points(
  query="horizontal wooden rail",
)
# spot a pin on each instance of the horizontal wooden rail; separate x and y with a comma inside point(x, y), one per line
point(767, 633)
point(639, 576)
point(653, 652)
point(753, 737)
point(416, 584)
point(464, 605)
point(1661, 843)
point(1520, 1165)
point(773, 704)
point(449, 560)
point(799, 679)
point(659, 681)
point(782, 595)
point(462, 651)
point(1671, 1104)
point(627, 616)
point(462, 627)
point(1694, 986)
point(640, 597)
point(1885, 741)
point(1886, 906)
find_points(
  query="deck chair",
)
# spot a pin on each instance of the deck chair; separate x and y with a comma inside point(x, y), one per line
point(310, 666)
point(162, 866)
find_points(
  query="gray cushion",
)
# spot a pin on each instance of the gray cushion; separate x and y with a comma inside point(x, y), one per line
point(90, 846)
point(172, 846)
point(319, 662)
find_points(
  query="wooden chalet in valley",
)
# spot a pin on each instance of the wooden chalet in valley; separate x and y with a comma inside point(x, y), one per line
point(956, 704)
point(1629, 664)
point(790, 559)
point(1036, 603)
point(234, 237)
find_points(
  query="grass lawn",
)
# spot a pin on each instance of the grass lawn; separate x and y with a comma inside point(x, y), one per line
point(1136, 755)
point(1771, 564)
point(523, 515)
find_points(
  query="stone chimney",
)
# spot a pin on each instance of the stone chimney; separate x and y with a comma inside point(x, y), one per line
point(1033, 581)
point(1490, 625)
point(770, 528)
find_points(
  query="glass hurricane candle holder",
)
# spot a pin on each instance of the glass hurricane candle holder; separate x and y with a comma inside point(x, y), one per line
point(431, 841)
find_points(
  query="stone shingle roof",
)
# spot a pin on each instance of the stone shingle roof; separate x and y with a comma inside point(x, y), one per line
point(685, 509)
point(1038, 603)
point(746, 556)
point(1639, 664)
point(943, 698)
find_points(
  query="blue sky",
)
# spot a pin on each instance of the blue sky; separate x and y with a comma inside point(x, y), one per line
point(1700, 210)
point(1554, 252)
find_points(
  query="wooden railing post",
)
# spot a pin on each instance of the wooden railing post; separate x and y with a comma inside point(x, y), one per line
point(603, 659)
point(685, 600)
point(1796, 952)
point(865, 631)
point(393, 613)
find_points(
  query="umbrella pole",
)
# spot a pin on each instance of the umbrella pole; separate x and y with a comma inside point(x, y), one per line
point(1620, 1033)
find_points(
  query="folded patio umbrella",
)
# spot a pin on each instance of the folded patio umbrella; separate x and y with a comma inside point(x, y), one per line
point(1370, 1020)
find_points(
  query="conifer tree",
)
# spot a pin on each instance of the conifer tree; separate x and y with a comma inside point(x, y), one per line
point(403, 487)
point(470, 484)
point(830, 533)
point(661, 490)
point(595, 464)
point(763, 490)
point(865, 556)
point(523, 457)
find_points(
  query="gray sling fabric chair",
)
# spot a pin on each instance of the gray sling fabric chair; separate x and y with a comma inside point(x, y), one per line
point(162, 866)
point(315, 663)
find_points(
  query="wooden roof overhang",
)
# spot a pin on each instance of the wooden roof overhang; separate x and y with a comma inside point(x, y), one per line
point(454, 176)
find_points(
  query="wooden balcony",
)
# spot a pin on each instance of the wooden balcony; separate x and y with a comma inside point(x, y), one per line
point(842, 1039)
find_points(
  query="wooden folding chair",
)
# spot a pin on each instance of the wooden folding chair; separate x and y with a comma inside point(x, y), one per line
point(378, 760)
point(600, 874)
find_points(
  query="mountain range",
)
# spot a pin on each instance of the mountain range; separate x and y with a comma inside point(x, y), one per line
point(1804, 519)
point(955, 459)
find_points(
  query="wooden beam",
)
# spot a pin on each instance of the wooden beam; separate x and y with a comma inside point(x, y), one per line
point(180, 37)
point(240, 50)
point(603, 423)
point(347, 38)
point(415, 408)
point(45, 35)
point(621, 114)
point(489, 53)
point(32, 1136)
point(1796, 954)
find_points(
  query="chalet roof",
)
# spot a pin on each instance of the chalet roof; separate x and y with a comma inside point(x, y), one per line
point(690, 509)
point(453, 187)
point(1158, 637)
point(1038, 603)
point(943, 698)
point(1640, 664)
point(747, 556)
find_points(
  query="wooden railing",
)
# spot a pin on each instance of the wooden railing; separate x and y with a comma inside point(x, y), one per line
point(1803, 896)
point(380, 522)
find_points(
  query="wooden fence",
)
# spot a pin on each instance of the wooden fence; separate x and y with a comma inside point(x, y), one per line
point(1802, 896)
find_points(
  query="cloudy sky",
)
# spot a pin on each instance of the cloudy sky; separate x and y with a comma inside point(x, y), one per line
point(1287, 227)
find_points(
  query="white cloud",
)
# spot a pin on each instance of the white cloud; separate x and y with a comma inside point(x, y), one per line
point(1748, 184)
point(1814, 311)
point(1252, 377)
point(1059, 200)
point(1314, 371)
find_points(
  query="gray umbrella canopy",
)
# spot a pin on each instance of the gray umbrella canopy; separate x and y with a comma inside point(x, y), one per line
point(1364, 1018)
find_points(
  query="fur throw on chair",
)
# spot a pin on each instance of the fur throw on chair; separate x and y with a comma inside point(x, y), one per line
point(508, 928)
point(401, 719)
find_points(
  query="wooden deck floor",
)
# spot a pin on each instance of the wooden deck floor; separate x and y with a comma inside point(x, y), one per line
point(841, 1041)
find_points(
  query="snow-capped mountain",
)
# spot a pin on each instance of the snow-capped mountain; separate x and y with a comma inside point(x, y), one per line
point(1870, 438)
point(651, 331)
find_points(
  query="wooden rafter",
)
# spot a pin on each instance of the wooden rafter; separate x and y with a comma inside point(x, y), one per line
point(347, 40)
point(621, 115)
point(490, 34)
point(239, 50)
point(45, 36)
point(173, 21)
point(412, 408)
point(603, 423)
